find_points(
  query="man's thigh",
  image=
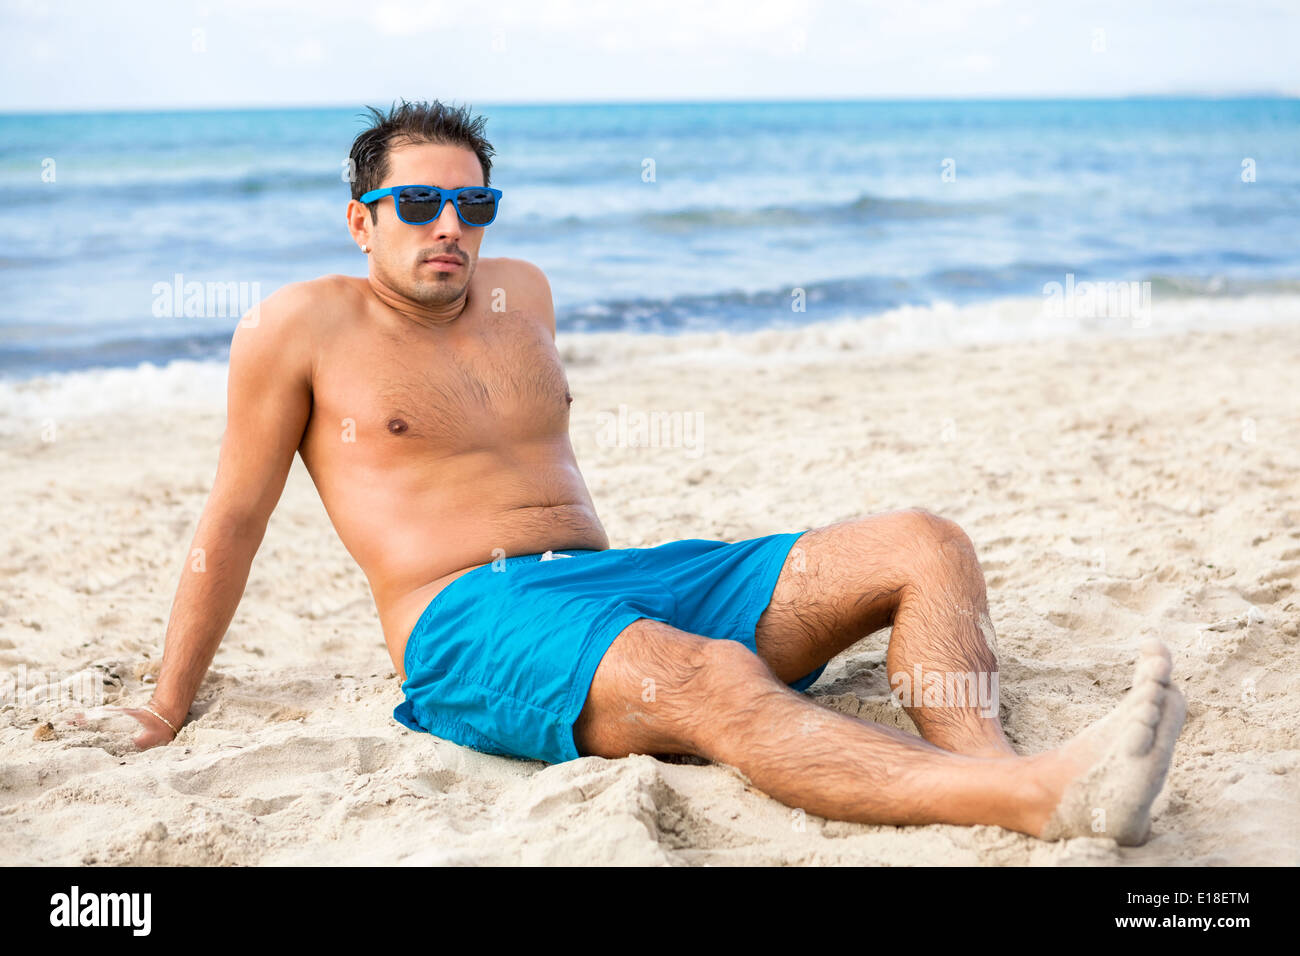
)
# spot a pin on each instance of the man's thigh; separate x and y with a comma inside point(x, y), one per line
point(662, 690)
point(839, 583)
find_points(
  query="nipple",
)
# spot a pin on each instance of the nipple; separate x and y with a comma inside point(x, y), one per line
point(396, 426)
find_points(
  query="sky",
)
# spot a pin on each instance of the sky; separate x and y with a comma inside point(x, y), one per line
point(167, 54)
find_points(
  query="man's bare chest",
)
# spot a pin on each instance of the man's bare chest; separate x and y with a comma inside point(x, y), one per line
point(497, 379)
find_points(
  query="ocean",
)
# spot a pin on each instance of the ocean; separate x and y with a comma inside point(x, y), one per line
point(849, 209)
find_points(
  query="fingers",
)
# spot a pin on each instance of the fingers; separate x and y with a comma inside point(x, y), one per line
point(150, 738)
point(145, 741)
point(152, 733)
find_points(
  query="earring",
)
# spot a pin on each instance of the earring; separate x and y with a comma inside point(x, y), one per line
point(365, 248)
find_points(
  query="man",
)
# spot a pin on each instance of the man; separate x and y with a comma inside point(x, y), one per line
point(430, 406)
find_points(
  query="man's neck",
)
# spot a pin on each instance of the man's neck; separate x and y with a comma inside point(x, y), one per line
point(437, 316)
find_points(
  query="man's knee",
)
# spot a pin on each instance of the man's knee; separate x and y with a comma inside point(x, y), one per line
point(931, 534)
point(935, 549)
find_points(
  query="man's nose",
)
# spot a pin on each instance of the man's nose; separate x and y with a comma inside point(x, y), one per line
point(447, 223)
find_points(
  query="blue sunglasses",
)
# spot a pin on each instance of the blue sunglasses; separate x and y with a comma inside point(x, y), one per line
point(417, 205)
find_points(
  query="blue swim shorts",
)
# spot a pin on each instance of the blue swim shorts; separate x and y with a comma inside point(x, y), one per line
point(503, 657)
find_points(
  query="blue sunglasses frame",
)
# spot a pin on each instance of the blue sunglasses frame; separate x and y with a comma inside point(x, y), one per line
point(443, 196)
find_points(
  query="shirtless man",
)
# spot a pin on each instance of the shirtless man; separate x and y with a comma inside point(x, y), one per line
point(430, 406)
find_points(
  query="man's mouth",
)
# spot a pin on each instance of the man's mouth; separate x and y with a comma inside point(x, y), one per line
point(448, 261)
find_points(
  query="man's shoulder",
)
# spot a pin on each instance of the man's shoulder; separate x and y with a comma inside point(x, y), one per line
point(313, 296)
point(282, 330)
point(297, 306)
point(521, 271)
point(525, 285)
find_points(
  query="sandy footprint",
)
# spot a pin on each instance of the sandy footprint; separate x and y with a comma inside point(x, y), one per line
point(1115, 768)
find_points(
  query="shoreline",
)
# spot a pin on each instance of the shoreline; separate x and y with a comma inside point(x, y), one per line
point(901, 331)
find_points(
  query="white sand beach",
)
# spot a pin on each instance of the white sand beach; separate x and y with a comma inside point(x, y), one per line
point(1118, 485)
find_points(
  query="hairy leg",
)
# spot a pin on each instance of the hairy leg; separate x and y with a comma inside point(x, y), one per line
point(662, 690)
point(918, 573)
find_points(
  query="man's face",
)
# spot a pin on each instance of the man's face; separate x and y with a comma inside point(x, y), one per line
point(401, 254)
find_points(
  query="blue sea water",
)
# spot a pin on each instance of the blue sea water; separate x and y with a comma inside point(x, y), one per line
point(848, 201)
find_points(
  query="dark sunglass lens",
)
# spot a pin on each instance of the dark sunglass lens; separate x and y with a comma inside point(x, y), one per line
point(417, 204)
point(478, 206)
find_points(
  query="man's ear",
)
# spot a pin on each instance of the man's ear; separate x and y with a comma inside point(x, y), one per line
point(360, 224)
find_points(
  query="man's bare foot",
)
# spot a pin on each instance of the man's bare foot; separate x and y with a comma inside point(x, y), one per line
point(1110, 773)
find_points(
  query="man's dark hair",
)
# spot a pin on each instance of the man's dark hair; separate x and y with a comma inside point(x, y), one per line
point(410, 124)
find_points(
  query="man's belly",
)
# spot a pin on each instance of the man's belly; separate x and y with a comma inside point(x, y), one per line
point(527, 530)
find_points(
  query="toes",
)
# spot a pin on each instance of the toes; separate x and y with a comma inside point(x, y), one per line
point(1156, 669)
point(1145, 692)
point(1154, 647)
point(1138, 739)
point(1149, 714)
point(1156, 709)
point(1173, 714)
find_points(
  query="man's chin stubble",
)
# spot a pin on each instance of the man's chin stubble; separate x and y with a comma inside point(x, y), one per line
point(434, 292)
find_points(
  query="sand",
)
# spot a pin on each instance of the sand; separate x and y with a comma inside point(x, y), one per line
point(1118, 486)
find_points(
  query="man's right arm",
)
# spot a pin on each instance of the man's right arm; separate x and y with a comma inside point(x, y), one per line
point(268, 402)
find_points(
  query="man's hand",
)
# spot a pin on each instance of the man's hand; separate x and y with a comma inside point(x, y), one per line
point(155, 732)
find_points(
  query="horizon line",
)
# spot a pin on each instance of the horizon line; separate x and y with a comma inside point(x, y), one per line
point(794, 101)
